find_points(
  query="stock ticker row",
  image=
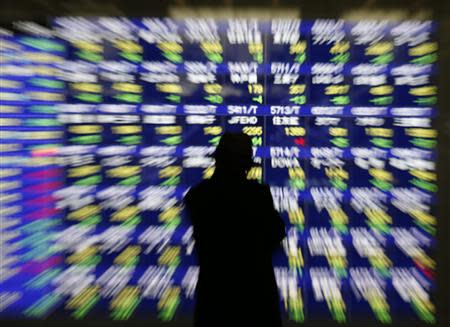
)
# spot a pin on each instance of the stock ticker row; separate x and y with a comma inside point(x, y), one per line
point(106, 123)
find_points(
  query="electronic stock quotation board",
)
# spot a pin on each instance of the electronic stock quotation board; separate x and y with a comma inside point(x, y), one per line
point(107, 122)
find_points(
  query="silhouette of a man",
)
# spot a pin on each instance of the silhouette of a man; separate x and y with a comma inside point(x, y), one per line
point(236, 229)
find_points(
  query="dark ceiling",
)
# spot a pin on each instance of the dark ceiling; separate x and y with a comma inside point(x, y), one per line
point(39, 10)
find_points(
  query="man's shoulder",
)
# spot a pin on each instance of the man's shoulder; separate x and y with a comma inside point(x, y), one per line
point(200, 188)
point(257, 185)
point(205, 187)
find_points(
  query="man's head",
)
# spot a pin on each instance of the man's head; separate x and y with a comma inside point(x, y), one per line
point(234, 153)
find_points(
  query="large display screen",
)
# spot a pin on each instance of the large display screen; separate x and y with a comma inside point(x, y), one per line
point(107, 122)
